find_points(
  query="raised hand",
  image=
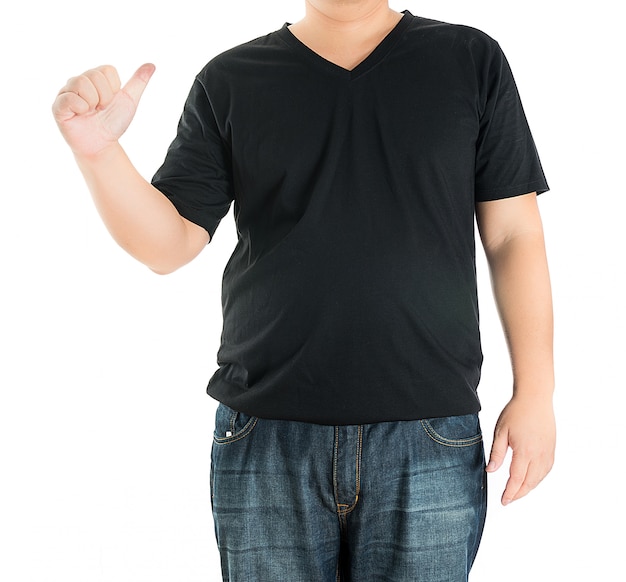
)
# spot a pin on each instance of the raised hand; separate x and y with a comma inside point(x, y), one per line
point(93, 110)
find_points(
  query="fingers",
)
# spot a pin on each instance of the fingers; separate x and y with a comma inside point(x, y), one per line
point(521, 479)
point(111, 75)
point(525, 475)
point(530, 431)
point(516, 486)
point(106, 82)
point(92, 90)
point(499, 449)
point(518, 468)
point(95, 89)
point(528, 468)
point(67, 105)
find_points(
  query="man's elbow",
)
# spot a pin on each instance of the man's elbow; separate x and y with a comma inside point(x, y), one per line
point(161, 271)
point(166, 268)
point(165, 256)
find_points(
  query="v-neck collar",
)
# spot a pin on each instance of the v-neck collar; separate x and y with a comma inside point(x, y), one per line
point(381, 50)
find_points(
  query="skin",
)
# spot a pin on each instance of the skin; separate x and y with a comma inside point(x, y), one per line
point(93, 110)
point(512, 236)
point(345, 33)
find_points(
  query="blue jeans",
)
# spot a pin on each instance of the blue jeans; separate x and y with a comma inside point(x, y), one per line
point(392, 501)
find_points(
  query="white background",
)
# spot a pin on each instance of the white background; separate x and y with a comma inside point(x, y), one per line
point(105, 428)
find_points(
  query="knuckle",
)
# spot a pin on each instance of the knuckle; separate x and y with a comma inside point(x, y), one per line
point(111, 75)
point(95, 77)
point(107, 69)
point(73, 84)
point(81, 82)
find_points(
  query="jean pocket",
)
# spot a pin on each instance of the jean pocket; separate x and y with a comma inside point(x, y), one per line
point(454, 431)
point(232, 426)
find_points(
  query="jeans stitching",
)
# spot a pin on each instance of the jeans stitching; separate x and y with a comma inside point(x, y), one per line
point(335, 460)
point(245, 431)
point(233, 418)
point(348, 508)
point(468, 442)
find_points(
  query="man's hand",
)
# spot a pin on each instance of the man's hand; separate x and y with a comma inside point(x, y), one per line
point(526, 425)
point(93, 110)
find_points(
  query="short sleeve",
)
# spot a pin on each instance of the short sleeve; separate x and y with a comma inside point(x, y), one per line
point(196, 174)
point(507, 162)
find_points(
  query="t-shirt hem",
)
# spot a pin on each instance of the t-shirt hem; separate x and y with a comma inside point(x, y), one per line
point(198, 217)
point(538, 186)
point(326, 418)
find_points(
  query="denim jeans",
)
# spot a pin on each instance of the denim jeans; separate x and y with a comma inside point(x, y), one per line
point(391, 501)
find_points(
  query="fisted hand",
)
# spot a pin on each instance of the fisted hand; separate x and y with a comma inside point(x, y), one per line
point(93, 110)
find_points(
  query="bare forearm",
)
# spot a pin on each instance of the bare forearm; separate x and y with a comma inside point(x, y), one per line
point(139, 217)
point(521, 285)
point(512, 235)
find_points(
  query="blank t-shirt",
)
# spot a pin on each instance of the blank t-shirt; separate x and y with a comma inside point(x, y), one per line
point(351, 294)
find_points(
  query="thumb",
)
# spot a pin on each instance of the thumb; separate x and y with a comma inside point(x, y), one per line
point(138, 82)
point(498, 450)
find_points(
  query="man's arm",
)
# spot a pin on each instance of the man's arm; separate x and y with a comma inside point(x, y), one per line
point(92, 112)
point(512, 236)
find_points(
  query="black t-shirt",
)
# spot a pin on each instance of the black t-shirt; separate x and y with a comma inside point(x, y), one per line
point(351, 294)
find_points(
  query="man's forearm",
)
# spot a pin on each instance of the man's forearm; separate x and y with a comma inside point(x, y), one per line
point(521, 285)
point(139, 217)
point(512, 236)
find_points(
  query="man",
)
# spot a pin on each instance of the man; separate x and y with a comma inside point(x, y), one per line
point(357, 145)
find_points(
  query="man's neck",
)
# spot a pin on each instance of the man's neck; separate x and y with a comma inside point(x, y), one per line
point(345, 31)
